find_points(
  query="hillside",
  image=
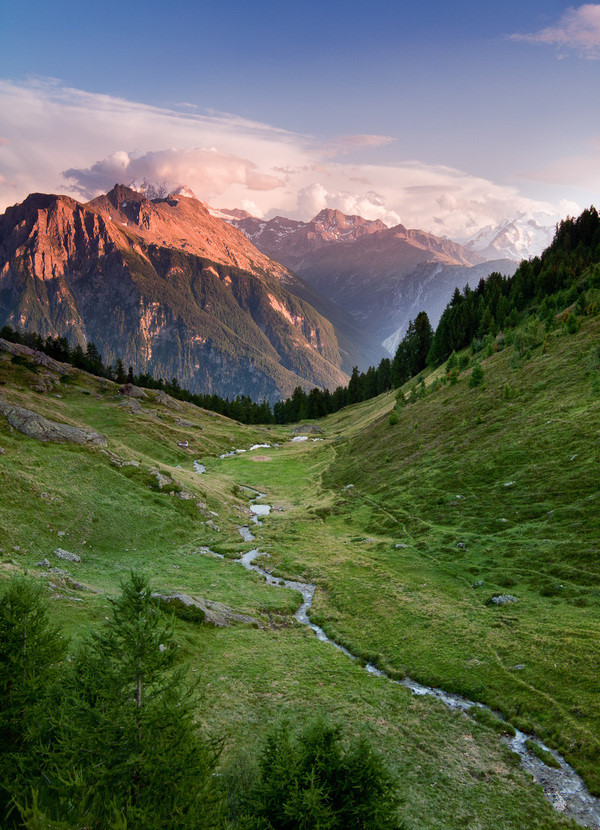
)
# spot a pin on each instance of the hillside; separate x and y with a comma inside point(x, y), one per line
point(170, 290)
point(377, 517)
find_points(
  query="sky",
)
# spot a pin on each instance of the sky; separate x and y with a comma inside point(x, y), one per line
point(443, 116)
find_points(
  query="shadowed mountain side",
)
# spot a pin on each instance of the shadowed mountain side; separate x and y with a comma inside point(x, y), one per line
point(171, 290)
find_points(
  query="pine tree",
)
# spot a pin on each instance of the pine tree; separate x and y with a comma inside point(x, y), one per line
point(127, 748)
point(30, 654)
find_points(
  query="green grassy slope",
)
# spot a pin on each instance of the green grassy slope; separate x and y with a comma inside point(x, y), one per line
point(452, 771)
point(494, 490)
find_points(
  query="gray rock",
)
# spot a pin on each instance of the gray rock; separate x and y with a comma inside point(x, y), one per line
point(2, 451)
point(184, 495)
point(161, 479)
point(400, 545)
point(66, 555)
point(307, 429)
point(181, 422)
point(166, 400)
point(477, 584)
point(40, 428)
point(132, 406)
point(214, 613)
point(213, 526)
point(504, 599)
point(43, 563)
point(518, 667)
point(131, 391)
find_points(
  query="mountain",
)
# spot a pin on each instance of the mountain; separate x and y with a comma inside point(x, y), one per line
point(381, 276)
point(171, 290)
point(518, 239)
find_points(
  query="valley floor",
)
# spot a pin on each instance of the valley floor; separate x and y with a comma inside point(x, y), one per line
point(407, 531)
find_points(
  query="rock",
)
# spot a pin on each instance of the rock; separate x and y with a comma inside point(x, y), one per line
point(131, 391)
point(348, 487)
point(161, 479)
point(460, 545)
point(39, 358)
point(307, 429)
point(184, 495)
point(40, 428)
point(504, 599)
point(166, 400)
point(477, 584)
point(213, 526)
point(2, 451)
point(203, 610)
point(43, 563)
point(183, 444)
point(181, 422)
point(66, 555)
point(518, 667)
point(400, 545)
point(133, 406)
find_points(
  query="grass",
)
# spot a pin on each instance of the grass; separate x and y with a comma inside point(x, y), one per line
point(453, 772)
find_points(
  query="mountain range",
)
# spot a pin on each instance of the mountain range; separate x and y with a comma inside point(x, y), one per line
point(381, 276)
point(171, 290)
point(224, 301)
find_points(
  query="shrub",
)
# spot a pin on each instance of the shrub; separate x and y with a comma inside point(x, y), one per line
point(452, 362)
point(393, 418)
point(476, 378)
point(464, 361)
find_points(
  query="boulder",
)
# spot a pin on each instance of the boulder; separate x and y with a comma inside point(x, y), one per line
point(504, 599)
point(166, 400)
point(161, 479)
point(66, 555)
point(202, 610)
point(132, 406)
point(307, 429)
point(131, 391)
point(36, 426)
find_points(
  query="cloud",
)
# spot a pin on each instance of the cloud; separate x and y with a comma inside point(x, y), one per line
point(89, 142)
point(206, 171)
point(572, 171)
point(578, 29)
point(344, 144)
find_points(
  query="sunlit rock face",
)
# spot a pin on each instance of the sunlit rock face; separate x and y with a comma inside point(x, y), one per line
point(172, 290)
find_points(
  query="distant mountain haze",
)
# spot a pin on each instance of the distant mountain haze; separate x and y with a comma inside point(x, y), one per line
point(381, 276)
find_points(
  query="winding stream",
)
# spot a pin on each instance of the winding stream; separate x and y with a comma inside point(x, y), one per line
point(562, 786)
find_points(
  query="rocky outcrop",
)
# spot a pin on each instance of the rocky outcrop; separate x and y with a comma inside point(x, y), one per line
point(307, 429)
point(66, 555)
point(40, 428)
point(202, 610)
point(131, 391)
point(166, 400)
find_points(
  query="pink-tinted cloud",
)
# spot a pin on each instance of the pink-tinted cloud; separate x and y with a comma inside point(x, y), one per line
point(207, 171)
point(578, 29)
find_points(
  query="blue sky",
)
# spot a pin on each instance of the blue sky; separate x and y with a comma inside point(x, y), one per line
point(443, 85)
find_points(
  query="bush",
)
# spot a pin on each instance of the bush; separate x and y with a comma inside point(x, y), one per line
point(476, 378)
point(393, 418)
point(463, 362)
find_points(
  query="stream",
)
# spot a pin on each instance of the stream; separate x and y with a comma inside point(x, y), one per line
point(563, 787)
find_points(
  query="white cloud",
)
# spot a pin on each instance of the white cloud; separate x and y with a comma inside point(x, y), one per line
point(207, 171)
point(578, 29)
point(228, 161)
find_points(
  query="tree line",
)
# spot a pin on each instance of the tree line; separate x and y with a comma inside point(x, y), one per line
point(409, 360)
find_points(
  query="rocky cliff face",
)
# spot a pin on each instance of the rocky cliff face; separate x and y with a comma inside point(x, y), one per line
point(381, 276)
point(168, 288)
